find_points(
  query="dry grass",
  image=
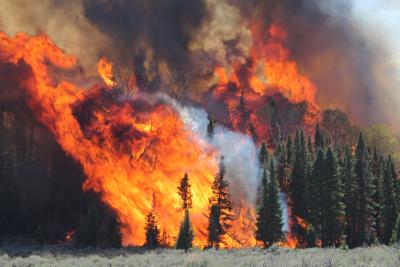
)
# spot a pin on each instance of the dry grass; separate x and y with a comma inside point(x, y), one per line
point(66, 256)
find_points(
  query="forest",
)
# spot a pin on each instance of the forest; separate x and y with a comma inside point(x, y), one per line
point(342, 185)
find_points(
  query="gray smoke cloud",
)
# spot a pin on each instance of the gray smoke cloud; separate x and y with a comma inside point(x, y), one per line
point(378, 23)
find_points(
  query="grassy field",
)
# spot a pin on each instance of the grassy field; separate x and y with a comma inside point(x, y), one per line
point(66, 256)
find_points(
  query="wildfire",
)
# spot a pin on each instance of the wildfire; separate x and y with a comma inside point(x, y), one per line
point(268, 71)
point(69, 235)
point(127, 154)
point(105, 69)
point(132, 150)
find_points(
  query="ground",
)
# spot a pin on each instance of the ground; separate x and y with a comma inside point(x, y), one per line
point(61, 255)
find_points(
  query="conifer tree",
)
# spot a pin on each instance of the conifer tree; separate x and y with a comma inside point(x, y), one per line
point(364, 217)
point(350, 197)
point(316, 190)
point(281, 167)
point(263, 156)
point(389, 205)
point(185, 236)
point(261, 222)
point(289, 150)
point(185, 193)
point(274, 212)
point(221, 214)
point(298, 186)
point(396, 231)
point(333, 208)
point(319, 138)
point(152, 231)
point(210, 126)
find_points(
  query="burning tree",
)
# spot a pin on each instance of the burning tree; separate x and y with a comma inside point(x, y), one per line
point(221, 215)
point(185, 193)
point(185, 236)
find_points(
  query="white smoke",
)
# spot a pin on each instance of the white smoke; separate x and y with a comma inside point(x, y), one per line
point(239, 150)
point(378, 23)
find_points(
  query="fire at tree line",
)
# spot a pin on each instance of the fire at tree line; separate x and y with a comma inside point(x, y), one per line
point(341, 192)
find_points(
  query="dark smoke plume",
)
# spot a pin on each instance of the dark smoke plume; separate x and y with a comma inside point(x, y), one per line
point(355, 67)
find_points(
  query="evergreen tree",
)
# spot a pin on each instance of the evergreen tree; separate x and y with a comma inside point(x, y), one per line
point(281, 167)
point(396, 231)
point(332, 199)
point(185, 236)
point(221, 214)
point(364, 217)
point(316, 191)
point(289, 150)
point(82, 231)
point(298, 187)
point(319, 138)
point(215, 230)
point(152, 231)
point(350, 197)
point(263, 156)
point(114, 238)
point(102, 235)
point(274, 212)
point(210, 126)
point(389, 205)
point(185, 193)
point(262, 220)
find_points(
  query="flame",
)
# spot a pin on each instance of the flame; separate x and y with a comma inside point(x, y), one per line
point(69, 235)
point(268, 71)
point(105, 69)
point(127, 154)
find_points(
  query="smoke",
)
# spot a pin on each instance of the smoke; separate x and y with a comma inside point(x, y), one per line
point(378, 23)
point(61, 20)
point(348, 48)
point(239, 151)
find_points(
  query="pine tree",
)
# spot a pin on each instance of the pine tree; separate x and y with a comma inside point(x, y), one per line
point(364, 217)
point(102, 235)
point(185, 193)
point(185, 236)
point(263, 156)
point(389, 205)
point(298, 187)
point(210, 126)
point(332, 198)
point(319, 138)
point(396, 231)
point(281, 167)
point(261, 222)
point(350, 197)
point(215, 230)
point(221, 214)
point(289, 150)
point(114, 238)
point(152, 231)
point(316, 186)
point(274, 212)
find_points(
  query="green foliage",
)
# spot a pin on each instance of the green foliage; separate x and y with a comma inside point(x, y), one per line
point(221, 214)
point(396, 231)
point(380, 137)
point(185, 236)
point(364, 215)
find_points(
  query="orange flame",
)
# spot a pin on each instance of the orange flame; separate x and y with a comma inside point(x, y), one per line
point(269, 70)
point(126, 154)
point(105, 69)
